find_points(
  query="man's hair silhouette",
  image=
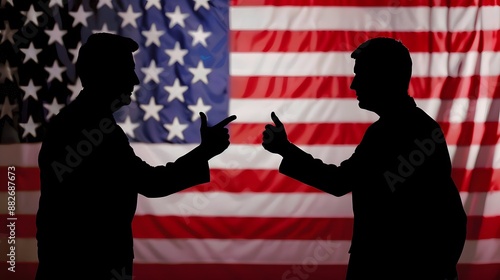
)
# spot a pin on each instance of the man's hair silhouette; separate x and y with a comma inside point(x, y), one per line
point(102, 55)
point(391, 59)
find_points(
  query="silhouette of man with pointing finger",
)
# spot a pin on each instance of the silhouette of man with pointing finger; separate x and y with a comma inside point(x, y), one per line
point(91, 177)
point(409, 222)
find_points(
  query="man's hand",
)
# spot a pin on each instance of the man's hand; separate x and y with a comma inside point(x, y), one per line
point(214, 139)
point(274, 138)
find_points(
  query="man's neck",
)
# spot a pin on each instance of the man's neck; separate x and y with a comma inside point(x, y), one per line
point(96, 100)
point(396, 107)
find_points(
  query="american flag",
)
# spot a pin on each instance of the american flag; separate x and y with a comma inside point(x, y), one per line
point(248, 58)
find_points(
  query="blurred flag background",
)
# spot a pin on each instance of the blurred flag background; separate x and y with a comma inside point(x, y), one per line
point(249, 58)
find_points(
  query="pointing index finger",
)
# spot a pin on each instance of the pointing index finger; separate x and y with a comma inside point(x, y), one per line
point(226, 121)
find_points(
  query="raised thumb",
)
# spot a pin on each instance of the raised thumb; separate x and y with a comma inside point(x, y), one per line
point(203, 120)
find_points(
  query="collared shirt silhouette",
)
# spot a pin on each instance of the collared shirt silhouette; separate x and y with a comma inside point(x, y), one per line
point(91, 177)
point(409, 222)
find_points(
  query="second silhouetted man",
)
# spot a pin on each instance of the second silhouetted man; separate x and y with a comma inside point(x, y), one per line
point(409, 222)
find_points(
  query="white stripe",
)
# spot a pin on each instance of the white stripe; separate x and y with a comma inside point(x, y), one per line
point(438, 64)
point(259, 251)
point(277, 252)
point(411, 19)
point(346, 110)
point(246, 204)
point(273, 252)
point(255, 157)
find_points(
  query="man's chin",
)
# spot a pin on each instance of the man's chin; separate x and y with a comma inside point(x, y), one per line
point(127, 101)
point(365, 106)
point(126, 98)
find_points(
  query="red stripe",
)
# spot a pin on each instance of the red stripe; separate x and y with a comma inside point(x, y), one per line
point(304, 134)
point(462, 134)
point(269, 228)
point(242, 228)
point(339, 87)
point(27, 178)
point(271, 181)
point(238, 271)
point(244, 272)
point(469, 133)
point(348, 41)
point(366, 3)
point(479, 227)
point(476, 180)
point(25, 226)
point(275, 228)
point(257, 180)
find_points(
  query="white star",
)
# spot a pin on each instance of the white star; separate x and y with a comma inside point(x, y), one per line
point(30, 90)
point(129, 17)
point(176, 91)
point(80, 16)
point(128, 126)
point(108, 3)
point(153, 35)
point(8, 72)
point(7, 33)
point(104, 29)
point(55, 35)
point(199, 107)
point(31, 53)
point(200, 73)
point(152, 72)
point(176, 17)
point(29, 127)
point(31, 15)
point(75, 89)
point(53, 108)
point(155, 3)
point(7, 108)
point(199, 36)
point(201, 3)
point(175, 129)
point(176, 54)
point(55, 71)
point(75, 51)
point(56, 2)
point(151, 110)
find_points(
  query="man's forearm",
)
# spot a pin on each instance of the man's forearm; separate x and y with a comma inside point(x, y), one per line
point(303, 167)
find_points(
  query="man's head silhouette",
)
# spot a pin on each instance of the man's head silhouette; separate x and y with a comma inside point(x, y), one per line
point(382, 73)
point(106, 65)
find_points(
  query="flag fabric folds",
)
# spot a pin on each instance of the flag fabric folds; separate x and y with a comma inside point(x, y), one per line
point(249, 58)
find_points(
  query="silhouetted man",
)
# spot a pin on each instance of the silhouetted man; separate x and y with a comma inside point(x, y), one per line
point(90, 176)
point(409, 222)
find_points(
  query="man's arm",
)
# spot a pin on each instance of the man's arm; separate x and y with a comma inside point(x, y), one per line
point(189, 170)
point(302, 166)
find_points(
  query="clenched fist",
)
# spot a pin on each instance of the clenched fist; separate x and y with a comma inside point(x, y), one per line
point(214, 139)
point(274, 138)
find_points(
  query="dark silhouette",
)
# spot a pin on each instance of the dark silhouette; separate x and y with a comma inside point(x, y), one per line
point(90, 176)
point(409, 222)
